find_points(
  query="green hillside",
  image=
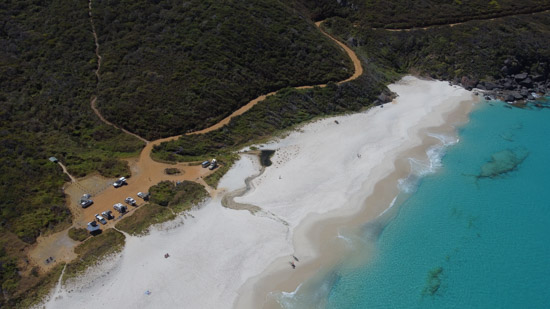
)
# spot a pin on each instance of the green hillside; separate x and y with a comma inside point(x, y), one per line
point(173, 67)
point(479, 50)
point(397, 14)
point(170, 67)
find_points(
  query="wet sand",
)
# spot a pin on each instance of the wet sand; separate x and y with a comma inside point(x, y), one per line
point(316, 239)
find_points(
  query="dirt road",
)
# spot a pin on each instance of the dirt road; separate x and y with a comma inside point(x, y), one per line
point(145, 172)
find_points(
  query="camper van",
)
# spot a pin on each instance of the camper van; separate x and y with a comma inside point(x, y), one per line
point(120, 208)
point(213, 165)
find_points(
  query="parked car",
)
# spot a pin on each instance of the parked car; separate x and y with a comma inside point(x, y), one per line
point(86, 203)
point(130, 201)
point(213, 165)
point(108, 214)
point(120, 182)
point(205, 164)
point(92, 226)
point(120, 208)
point(86, 196)
point(144, 196)
point(100, 219)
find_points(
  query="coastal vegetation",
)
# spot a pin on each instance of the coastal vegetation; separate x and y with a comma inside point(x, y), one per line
point(475, 54)
point(46, 88)
point(143, 217)
point(167, 200)
point(167, 68)
point(398, 14)
point(93, 250)
point(37, 288)
point(172, 171)
point(78, 234)
point(171, 67)
point(282, 111)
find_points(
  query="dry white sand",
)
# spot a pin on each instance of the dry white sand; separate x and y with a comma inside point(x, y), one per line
point(218, 254)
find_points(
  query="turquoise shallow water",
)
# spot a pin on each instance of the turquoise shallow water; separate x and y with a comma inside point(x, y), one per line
point(475, 234)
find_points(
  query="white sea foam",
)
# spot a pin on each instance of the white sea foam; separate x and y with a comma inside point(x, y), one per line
point(421, 168)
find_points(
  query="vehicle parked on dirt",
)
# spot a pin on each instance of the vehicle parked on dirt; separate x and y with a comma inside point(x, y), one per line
point(120, 182)
point(120, 208)
point(92, 226)
point(130, 201)
point(205, 164)
point(86, 203)
point(144, 196)
point(213, 165)
point(108, 214)
point(100, 219)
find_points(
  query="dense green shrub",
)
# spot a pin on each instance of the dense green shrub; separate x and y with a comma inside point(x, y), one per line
point(91, 251)
point(171, 67)
point(477, 49)
point(287, 108)
point(167, 200)
point(78, 234)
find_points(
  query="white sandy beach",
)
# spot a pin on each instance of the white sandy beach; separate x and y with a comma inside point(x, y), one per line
point(219, 256)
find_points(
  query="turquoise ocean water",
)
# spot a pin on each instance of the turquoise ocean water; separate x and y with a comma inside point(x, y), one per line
point(473, 234)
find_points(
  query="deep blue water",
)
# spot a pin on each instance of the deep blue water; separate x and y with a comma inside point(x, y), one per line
point(475, 234)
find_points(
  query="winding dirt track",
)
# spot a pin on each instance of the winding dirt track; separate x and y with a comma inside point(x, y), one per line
point(66, 172)
point(458, 23)
point(145, 171)
point(358, 71)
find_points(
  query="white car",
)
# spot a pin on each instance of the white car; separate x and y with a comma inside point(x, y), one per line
point(120, 182)
point(144, 196)
point(100, 219)
point(130, 201)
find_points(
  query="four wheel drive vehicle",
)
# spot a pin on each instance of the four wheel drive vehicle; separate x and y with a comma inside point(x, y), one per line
point(120, 182)
point(100, 219)
point(108, 214)
point(120, 208)
point(86, 203)
point(130, 201)
point(213, 165)
point(205, 164)
point(144, 196)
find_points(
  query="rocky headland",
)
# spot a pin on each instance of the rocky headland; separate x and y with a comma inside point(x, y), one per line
point(517, 84)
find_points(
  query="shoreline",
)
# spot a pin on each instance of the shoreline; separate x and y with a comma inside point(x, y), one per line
point(319, 233)
point(218, 253)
